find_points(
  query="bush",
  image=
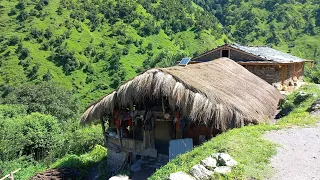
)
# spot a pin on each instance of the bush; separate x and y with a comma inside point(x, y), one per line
point(13, 40)
point(84, 162)
point(32, 135)
point(78, 139)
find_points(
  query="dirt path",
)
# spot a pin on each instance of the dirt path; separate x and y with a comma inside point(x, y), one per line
point(298, 156)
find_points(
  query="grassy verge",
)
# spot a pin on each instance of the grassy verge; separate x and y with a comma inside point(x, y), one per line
point(247, 144)
point(85, 162)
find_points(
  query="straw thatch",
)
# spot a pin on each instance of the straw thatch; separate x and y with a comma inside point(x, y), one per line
point(220, 93)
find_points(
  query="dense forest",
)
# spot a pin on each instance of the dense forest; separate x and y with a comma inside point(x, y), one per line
point(57, 56)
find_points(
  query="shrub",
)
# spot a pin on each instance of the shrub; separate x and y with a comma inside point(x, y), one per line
point(34, 135)
point(13, 40)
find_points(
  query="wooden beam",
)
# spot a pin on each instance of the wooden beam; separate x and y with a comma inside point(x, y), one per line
point(259, 63)
point(293, 70)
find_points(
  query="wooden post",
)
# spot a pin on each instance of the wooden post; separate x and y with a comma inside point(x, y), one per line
point(282, 74)
point(104, 132)
point(163, 108)
point(293, 71)
point(10, 176)
point(120, 140)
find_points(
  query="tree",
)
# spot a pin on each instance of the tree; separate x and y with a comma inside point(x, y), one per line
point(35, 134)
point(13, 40)
point(47, 76)
point(46, 98)
point(33, 74)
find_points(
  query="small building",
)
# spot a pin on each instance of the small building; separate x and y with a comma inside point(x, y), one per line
point(272, 65)
point(197, 100)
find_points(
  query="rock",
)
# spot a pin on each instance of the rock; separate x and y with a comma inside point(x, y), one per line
point(231, 163)
point(200, 172)
point(180, 176)
point(119, 177)
point(278, 86)
point(223, 170)
point(315, 108)
point(224, 159)
point(284, 88)
point(209, 163)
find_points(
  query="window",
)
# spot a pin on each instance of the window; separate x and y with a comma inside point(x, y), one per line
point(225, 53)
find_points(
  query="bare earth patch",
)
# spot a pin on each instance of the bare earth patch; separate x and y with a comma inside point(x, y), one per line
point(298, 156)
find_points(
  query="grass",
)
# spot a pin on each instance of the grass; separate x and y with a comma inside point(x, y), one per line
point(247, 144)
point(85, 162)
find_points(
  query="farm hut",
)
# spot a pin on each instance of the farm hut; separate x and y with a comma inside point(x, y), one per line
point(272, 65)
point(197, 100)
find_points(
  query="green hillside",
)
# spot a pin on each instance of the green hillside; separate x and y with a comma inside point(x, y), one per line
point(291, 25)
point(57, 56)
point(90, 47)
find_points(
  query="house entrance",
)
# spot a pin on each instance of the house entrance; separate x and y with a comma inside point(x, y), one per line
point(163, 134)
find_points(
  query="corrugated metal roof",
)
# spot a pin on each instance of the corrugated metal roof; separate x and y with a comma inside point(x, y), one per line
point(268, 53)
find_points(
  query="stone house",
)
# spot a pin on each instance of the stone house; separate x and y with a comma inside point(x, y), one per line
point(272, 65)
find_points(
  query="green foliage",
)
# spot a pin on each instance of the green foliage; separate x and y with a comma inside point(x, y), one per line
point(97, 154)
point(77, 40)
point(299, 115)
point(84, 162)
point(10, 111)
point(33, 135)
point(34, 141)
point(79, 139)
point(46, 98)
point(28, 166)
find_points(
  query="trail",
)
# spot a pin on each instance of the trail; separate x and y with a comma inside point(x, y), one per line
point(298, 156)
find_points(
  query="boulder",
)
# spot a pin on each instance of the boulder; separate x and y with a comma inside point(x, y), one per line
point(224, 159)
point(222, 170)
point(315, 108)
point(180, 175)
point(119, 177)
point(209, 163)
point(200, 172)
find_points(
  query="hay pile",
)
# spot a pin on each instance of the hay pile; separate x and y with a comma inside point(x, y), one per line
point(220, 93)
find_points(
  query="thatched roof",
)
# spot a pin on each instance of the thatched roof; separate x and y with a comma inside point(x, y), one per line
point(220, 93)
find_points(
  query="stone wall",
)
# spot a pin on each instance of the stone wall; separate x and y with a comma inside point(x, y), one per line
point(271, 74)
point(127, 144)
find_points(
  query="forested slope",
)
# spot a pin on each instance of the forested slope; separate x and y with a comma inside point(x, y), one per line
point(90, 47)
point(291, 25)
point(57, 56)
